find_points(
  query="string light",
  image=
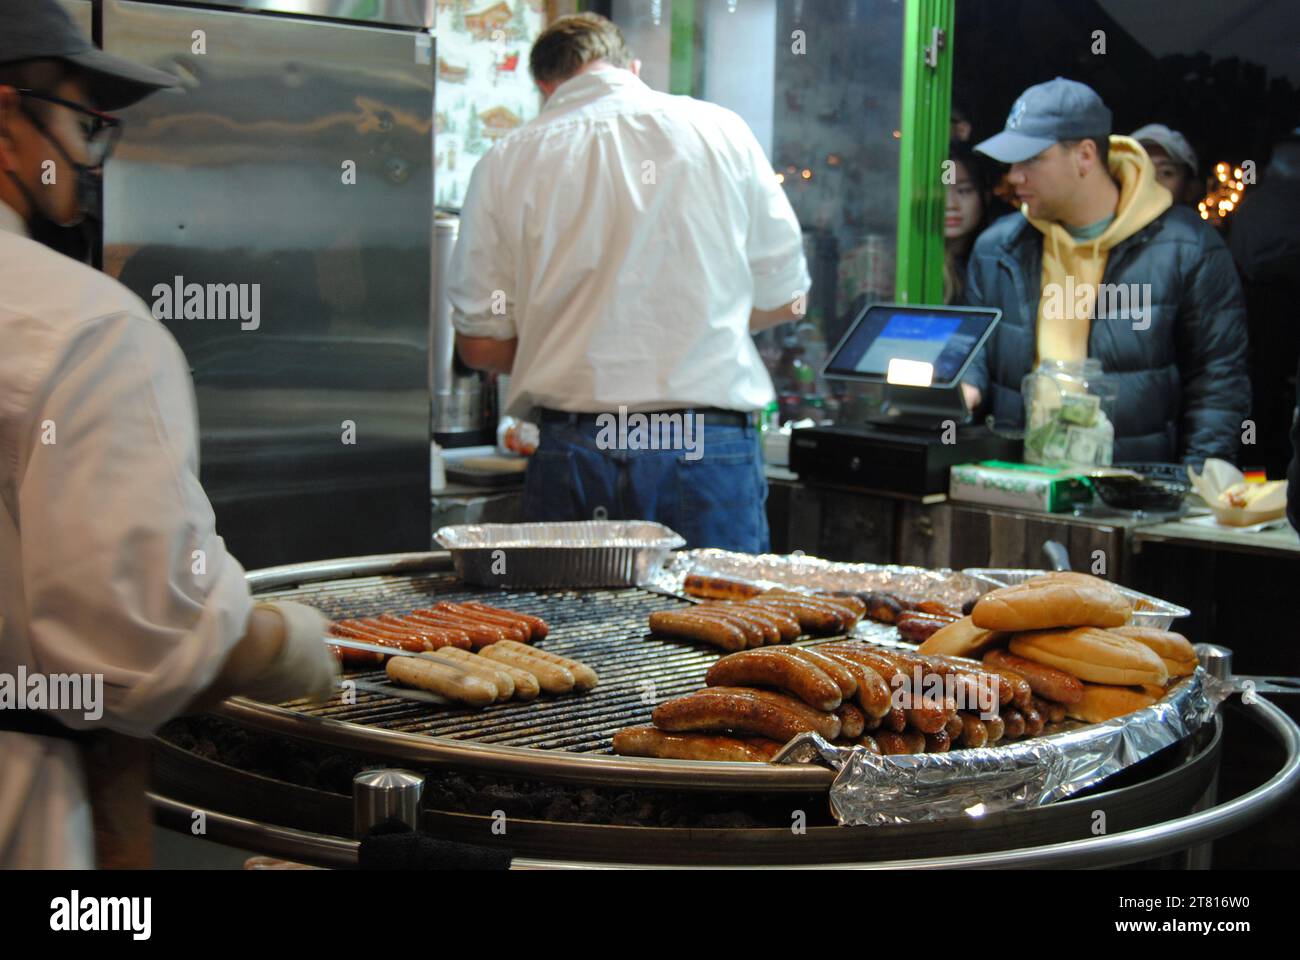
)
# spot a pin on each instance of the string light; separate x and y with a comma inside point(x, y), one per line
point(1226, 195)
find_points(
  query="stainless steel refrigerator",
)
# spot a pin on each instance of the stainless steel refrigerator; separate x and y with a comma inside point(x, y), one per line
point(276, 212)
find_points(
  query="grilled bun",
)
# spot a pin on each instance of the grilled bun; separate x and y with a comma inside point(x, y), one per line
point(1173, 648)
point(1097, 656)
point(1053, 600)
point(1101, 703)
point(961, 638)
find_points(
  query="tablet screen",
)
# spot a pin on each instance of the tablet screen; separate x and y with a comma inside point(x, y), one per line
point(944, 339)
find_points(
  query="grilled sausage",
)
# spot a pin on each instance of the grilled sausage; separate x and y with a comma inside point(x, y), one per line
point(351, 659)
point(955, 727)
point(937, 609)
point(443, 679)
point(825, 723)
point(686, 625)
point(882, 607)
point(650, 742)
point(815, 618)
point(1033, 722)
point(480, 634)
point(536, 626)
point(756, 633)
point(480, 667)
point(437, 637)
point(551, 677)
point(786, 626)
point(371, 633)
point(923, 712)
point(919, 627)
point(1013, 724)
point(996, 729)
point(937, 742)
point(1052, 712)
point(511, 628)
point(853, 722)
point(719, 588)
point(870, 743)
point(585, 678)
point(776, 668)
point(729, 708)
point(526, 685)
point(974, 731)
point(837, 671)
point(1046, 682)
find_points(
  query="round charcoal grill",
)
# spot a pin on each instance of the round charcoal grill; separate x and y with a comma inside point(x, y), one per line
point(548, 766)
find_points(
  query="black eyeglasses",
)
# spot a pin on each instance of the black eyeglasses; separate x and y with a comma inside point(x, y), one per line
point(100, 130)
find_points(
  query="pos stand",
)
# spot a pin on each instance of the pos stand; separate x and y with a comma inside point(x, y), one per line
point(921, 408)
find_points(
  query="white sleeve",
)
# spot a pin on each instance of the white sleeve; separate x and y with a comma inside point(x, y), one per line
point(774, 245)
point(482, 265)
point(123, 571)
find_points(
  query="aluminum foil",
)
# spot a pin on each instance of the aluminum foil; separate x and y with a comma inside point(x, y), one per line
point(586, 553)
point(812, 573)
point(1148, 611)
point(871, 790)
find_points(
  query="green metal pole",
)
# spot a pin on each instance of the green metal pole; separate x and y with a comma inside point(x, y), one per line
point(927, 101)
point(681, 70)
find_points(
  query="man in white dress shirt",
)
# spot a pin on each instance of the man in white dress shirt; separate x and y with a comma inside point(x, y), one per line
point(119, 606)
point(615, 256)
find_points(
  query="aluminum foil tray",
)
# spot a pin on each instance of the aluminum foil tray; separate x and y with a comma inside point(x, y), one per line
point(871, 790)
point(796, 571)
point(587, 553)
point(1148, 611)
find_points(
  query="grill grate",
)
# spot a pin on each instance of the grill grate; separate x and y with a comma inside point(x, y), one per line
point(605, 629)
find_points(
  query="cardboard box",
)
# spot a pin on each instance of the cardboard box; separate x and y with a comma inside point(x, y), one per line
point(1020, 485)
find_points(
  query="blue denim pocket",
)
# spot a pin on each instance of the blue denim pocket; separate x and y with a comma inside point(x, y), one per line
point(550, 486)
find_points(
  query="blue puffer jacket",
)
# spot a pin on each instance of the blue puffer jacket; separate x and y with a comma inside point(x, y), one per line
point(1183, 384)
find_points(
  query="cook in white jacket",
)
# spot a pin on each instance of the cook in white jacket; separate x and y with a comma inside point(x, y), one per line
point(110, 564)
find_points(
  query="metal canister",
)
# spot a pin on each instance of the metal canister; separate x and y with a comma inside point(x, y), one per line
point(385, 794)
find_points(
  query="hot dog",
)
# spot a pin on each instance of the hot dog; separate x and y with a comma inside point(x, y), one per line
point(371, 633)
point(1013, 724)
point(526, 686)
point(844, 678)
point(974, 731)
point(853, 722)
point(778, 668)
point(650, 742)
point(815, 618)
point(512, 629)
point(479, 667)
point(480, 634)
point(996, 729)
point(551, 677)
point(756, 634)
point(536, 626)
point(436, 636)
point(729, 708)
point(443, 679)
point(584, 677)
point(882, 607)
point(919, 627)
point(937, 742)
point(1046, 682)
point(1033, 722)
point(685, 625)
point(870, 743)
point(719, 588)
point(786, 627)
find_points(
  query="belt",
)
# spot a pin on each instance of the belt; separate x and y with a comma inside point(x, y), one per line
point(38, 723)
point(713, 416)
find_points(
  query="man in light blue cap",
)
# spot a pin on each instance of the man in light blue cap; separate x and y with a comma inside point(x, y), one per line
point(1094, 223)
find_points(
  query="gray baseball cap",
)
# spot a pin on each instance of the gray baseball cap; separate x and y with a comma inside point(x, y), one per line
point(1171, 141)
point(42, 29)
point(1045, 114)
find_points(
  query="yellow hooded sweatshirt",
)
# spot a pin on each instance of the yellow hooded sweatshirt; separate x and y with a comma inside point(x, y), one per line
point(1066, 306)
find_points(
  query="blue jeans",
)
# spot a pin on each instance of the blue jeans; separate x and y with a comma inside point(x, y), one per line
point(718, 500)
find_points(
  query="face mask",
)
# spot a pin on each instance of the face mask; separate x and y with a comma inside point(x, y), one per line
point(77, 238)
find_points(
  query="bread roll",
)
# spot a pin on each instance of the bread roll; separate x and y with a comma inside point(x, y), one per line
point(961, 638)
point(1097, 656)
point(1054, 600)
point(1102, 703)
point(1173, 648)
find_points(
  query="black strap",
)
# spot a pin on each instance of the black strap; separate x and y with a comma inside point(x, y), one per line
point(39, 723)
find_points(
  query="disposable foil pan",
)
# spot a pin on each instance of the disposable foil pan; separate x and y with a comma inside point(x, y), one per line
point(812, 573)
point(1148, 611)
point(871, 790)
point(584, 553)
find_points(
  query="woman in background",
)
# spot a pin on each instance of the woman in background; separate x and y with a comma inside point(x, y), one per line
point(966, 215)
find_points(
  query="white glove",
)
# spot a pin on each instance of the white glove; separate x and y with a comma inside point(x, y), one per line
point(305, 666)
